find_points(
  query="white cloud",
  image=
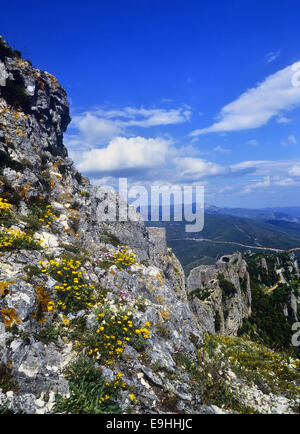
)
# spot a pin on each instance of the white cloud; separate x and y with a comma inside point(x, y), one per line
point(271, 56)
point(283, 120)
point(222, 150)
point(97, 127)
point(91, 130)
point(265, 182)
point(284, 182)
point(291, 140)
point(269, 181)
point(277, 93)
point(197, 168)
point(264, 167)
point(253, 142)
point(125, 154)
point(294, 171)
point(225, 189)
point(154, 117)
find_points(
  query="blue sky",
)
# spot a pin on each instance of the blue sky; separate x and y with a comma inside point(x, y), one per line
point(175, 92)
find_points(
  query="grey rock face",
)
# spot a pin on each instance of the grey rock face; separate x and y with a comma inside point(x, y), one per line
point(216, 309)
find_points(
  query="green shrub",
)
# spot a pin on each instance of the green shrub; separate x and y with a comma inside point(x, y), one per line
point(49, 334)
point(6, 51)
point(203, 294)
point(162, 330)
point(85, 194)
point(11, 239)
point(6, 218)
point(6, 381)
point(267, 323)
point(32, 270)
point(227, 287)
point(217, 322)
point(7, 161)
point(116, 328)
point(109, 238)
point(73, 292)
point(243, 284)
point(89, 392)
point(14, 94)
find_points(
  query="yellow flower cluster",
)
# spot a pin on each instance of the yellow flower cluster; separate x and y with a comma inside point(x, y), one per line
point(103, 399)
point(143, 331)
point(118, 382)
point(47, 218)
point(111, 387)
point(124, 258)
point(115, 333)
point(116, 329)
point(16, 239)
point(73, 291)
point(132, 397)
point(4, 205)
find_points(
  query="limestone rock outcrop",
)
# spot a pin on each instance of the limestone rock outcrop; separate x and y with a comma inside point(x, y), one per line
point(220, 295)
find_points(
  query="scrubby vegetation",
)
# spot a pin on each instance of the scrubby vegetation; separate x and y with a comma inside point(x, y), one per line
point(6, 51)
point(109, 238)
point(90, 393)
point(13, 239)
point(267, 323)
point(221, 358)
point(14, 94)
point(6, 381)
point(203, 293)
point(227, 287)
point(74, 292)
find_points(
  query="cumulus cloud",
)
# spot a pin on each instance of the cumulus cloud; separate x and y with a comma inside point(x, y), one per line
point(126, 154)
point(97, 127)
point(269, 181)
point(291, 140)
point(91, 130)
point(197, 168)
point(277, 93)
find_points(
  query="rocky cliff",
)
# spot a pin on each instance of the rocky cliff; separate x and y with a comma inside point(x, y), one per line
point(94, 314)
point(223, 292)
point(229, 296)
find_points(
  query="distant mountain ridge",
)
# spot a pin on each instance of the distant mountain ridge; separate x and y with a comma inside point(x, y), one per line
point(226, 234)
point(289, 214)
